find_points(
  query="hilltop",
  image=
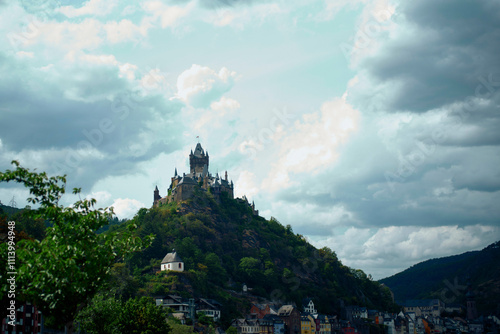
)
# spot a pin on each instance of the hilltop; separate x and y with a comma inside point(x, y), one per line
point(224, 244)
point(9, 210)
point(446, 279)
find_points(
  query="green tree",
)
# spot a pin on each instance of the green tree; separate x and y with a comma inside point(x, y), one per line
point(231, 330)
point(215, 270)
point(100, 316)
point(112, 316)
point(63, 271)
point(204, 319)
point(142, 316)
point(250, 269)
point(177, 328)
point(122, 283)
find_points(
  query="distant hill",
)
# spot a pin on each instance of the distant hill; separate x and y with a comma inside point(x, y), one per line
point(446, 278)
point(224, 245)
point(8, 210)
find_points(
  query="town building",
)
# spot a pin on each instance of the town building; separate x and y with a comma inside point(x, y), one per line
point(183, 308)
point(261, 310)
point(246, 326)
point(424, 307)
point(325, 324)
point(355, 312)
point(272, 324)
point(291, 316)
point(209, 307)
point(308, 306)
point(28, 320)
point(172, 262)
point(175, 303)
point(308, 325)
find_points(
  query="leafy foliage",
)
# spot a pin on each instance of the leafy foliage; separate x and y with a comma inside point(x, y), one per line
point(177, 328)
point(142, 316)
point(112, 316)
point(60, 272)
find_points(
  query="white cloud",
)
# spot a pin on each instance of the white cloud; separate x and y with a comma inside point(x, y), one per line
point(374, 25)
point(86, 34)
point(224, 105)
point(168, 15)
point(70, 36)
point(200, 85)
point(102, 198)
point(313, 143)
point(24, 54)
point(239, 16)
point(91, 7)
point(204, 122)
point(125, 30)
point(392, 249)
point(154, 80)
point(246, 185)
point(126, 207)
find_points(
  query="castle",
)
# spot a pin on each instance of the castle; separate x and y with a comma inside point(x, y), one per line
point(183, 187)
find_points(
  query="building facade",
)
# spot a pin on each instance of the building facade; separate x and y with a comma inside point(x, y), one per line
point(173, 262)
point(199, 178)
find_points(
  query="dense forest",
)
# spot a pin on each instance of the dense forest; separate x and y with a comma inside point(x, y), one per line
point(224, 245)
point(448, 278)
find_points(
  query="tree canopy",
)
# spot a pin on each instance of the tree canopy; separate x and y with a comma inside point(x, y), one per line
point(63, 271)
point(112, 316)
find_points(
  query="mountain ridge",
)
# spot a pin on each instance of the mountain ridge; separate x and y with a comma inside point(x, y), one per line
point(446, 278)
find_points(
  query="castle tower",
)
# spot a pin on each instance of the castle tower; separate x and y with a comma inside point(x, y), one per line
point(198, 160)
point(471, 302)
point(156, 195)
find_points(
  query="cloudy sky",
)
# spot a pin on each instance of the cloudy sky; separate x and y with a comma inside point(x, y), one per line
point(371, 127)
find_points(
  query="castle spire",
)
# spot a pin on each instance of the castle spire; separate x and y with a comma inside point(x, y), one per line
point(156, 195)
point(226, 175)
point(175, 174)
point(471, 301)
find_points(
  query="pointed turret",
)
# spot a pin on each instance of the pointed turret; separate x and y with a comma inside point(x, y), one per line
point(175, 174)
point(156, 195)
